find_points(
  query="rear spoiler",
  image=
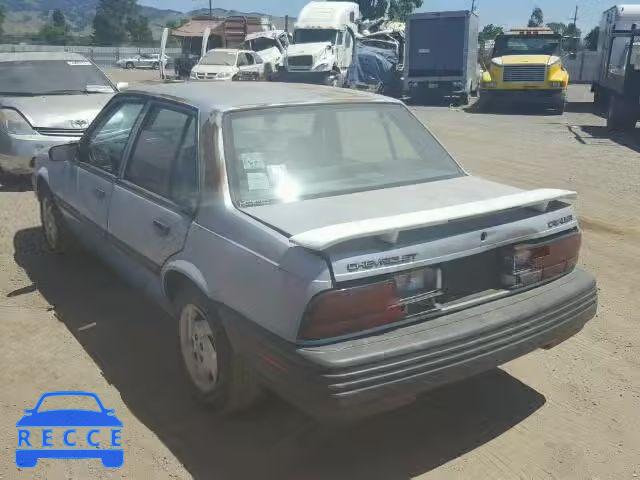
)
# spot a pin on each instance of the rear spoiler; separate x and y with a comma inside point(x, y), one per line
point(389, 227)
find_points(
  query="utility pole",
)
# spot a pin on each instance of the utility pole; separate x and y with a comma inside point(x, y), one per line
point(575, 18)
point(210, 9)
point(473, 5)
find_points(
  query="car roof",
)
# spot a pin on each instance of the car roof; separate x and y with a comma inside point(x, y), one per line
point(226, 96)
point(40, 56)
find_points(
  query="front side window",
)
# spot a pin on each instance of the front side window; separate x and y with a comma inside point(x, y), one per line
point(283, 154)
point(106, 144)
point(163, 158)
point(52, 77)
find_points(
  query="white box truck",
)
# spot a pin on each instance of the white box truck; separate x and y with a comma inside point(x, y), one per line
point(617, 85)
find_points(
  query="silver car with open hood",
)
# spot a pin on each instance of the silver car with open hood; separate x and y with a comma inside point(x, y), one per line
point(46, 99)
point(315, 241)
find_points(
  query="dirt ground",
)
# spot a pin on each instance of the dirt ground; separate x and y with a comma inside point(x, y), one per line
point(68, 323)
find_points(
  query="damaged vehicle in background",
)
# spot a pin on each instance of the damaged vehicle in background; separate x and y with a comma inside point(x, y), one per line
point(46, 99)
point(144, 60)
point(271, 45)
point(356, 264)
point(225, 64)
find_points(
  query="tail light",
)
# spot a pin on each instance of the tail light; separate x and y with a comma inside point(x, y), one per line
point(530, 263)
point(339, 312)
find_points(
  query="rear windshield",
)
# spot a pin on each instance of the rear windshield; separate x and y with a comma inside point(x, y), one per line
point(527, 45)
point(51, 77)
point(285, 154)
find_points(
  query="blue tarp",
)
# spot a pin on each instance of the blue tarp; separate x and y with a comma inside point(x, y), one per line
point(375, 67)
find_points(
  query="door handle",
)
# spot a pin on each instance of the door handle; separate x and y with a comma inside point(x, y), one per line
point(100, 193)
point(162, 228)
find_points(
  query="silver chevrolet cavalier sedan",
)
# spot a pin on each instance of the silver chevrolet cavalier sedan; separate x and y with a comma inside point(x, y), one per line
point(46, 99)
point(314, 241)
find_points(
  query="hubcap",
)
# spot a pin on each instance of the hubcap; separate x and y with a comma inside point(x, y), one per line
point(198, 348)
point(49, 222)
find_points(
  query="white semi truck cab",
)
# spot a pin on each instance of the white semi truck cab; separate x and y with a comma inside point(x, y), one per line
point(323, 43)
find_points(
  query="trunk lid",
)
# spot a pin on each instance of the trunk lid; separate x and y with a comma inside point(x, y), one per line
point(380, 232)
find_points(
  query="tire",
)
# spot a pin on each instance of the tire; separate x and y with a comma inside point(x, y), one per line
point(619, 115)
point(56, 234)
point(560, 108)
point(268, 72)
point(225, 382)
point(334, 79)
point(129, 66)
point(464, 99)
point(155, 65)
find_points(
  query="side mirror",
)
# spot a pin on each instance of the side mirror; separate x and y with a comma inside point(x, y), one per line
point(63, 153)
point(122, 86)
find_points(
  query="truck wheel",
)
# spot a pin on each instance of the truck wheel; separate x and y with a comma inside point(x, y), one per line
point(334, 79)
point(56, 234)
point(220, 378)
point(155, 65)
point(464, 99)
point(560, 108)
point(619, 116)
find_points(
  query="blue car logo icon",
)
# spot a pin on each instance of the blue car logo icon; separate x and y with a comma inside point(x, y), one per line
point(35, 431)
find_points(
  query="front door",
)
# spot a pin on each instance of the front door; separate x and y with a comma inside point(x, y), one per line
point(89, 180)
point(152, 205)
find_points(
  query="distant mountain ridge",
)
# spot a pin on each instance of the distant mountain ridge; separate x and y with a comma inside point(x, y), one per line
point(28, 16)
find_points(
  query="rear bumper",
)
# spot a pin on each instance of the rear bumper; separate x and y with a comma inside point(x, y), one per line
point(549, 97)
point(436, 88)
point(362, 377)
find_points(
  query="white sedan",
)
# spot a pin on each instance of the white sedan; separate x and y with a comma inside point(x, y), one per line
point(229, 64)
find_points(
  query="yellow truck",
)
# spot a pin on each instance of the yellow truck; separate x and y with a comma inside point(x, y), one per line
point(526, 67)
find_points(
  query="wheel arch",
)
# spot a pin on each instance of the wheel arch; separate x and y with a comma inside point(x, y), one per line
point(179, 274)
point(41, 183)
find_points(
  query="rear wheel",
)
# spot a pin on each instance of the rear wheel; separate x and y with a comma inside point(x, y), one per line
point(130, 66)
point(219, 376)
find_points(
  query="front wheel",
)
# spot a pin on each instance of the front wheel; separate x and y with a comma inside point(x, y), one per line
point(155, 65)
point(130, 66)
point(219, 376)
point(56, 234)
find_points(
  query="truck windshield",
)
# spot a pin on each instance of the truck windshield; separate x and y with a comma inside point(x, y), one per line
point(527, 45)
point(285, 154)
point(314, 35)
point(51, 77)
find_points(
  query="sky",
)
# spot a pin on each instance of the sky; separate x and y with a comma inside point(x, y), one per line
point(509, 13)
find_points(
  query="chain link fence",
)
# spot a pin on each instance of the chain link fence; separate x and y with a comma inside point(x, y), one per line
point(102, 56)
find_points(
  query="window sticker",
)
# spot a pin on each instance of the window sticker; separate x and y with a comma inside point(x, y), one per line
point(258, 181)
point(252, 160)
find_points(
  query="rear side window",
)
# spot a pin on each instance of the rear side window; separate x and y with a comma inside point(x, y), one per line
point(164, 157)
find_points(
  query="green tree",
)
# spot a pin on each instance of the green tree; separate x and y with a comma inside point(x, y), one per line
point(489, 32)
point(537, 18)
point(57, 30)
point(176, 23)
point(558, 27)
point(110, 21)
point(138, 30)
point(591, 40)
point(401, 9)
point(398, 9)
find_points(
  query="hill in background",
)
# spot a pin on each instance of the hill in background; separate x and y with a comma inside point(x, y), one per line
point(28, 16)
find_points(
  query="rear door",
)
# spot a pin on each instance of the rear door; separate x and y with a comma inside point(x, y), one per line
point(436, 47)
point(154, 200)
